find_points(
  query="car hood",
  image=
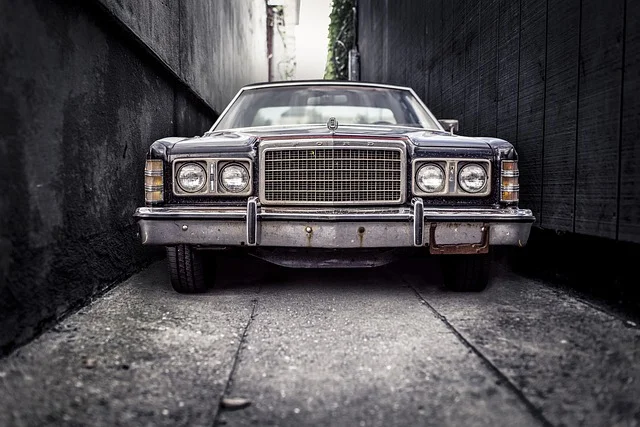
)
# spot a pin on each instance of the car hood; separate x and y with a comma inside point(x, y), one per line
point(242, 139)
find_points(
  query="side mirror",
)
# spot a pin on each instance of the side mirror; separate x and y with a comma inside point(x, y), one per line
point(450, 125)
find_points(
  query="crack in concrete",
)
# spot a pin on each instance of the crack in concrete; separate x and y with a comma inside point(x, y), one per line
point(534, 410)
point(236, 361)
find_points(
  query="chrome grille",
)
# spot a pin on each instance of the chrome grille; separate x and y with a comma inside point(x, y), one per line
point(333, 175)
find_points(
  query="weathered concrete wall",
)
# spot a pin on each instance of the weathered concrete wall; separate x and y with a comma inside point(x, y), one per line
point(81, 99)
point(557, 78)
point(202, 41)
point(155, 22)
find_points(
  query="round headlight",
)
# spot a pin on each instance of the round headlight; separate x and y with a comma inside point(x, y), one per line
point(430, 178)
point(191, 177)
point(234, 178)
point(472, 178)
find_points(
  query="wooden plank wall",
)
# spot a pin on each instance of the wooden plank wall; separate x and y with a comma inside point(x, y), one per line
point(458, 40)
point(488, 68)
point(557, 78)
point(531, 91)
point(629, 201)
point(508, 69)
point(372, 41)
point(599, 99)
point(444, 110)
point(561, 98)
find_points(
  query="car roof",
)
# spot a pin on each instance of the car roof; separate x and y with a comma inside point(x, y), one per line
point(322, 83)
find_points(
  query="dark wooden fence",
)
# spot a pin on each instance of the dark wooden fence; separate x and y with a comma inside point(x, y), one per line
point(557, 78)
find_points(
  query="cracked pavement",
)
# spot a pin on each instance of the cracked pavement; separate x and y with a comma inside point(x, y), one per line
point(358, 347)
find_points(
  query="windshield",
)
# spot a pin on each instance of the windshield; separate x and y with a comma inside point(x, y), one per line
point(308, 105)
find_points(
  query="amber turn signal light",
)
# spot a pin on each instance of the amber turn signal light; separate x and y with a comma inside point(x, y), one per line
point(509, 165)
point(509, 182)
point(153, 181)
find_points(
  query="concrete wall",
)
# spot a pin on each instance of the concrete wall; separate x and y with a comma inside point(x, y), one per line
point(84, 90)
point(202, 41)
point(557, 78)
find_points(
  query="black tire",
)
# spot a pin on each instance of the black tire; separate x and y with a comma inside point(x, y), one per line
point(186, 269)
point(466, 273)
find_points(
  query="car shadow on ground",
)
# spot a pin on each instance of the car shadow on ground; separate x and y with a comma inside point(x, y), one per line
point(236, 270)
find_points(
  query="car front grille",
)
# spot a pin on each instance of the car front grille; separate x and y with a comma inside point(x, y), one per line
point(333, 175)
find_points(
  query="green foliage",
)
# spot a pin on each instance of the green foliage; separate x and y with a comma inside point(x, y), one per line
point(341, 39)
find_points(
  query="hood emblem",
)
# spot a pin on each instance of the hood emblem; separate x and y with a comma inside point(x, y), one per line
point(332, 124)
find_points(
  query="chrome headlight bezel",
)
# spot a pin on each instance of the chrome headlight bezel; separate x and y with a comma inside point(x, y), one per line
point(198, 168)
point(464, 184)
point(212, 187)
point(451, 167)
point(225, 185)
point(435, 167)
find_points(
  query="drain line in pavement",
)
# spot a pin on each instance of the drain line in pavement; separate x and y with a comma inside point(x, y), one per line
point(503, 378)
point(234, 367)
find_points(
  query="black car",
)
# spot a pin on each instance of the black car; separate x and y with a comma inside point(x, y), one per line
point(331, 174)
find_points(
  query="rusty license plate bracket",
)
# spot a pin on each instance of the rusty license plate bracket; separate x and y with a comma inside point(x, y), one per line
point(481, 247)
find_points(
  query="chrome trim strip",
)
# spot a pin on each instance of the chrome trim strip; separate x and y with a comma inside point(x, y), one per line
point(510, 174)
point(372, 142)
point(324, 83)
point(189, 213)
point(322, 128)
point(352, 214)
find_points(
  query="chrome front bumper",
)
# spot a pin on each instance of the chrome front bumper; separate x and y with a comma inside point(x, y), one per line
point(443, 230)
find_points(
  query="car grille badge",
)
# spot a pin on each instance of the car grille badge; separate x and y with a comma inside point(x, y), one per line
point(332, 124)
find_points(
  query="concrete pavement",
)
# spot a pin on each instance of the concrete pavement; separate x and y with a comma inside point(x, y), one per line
point(383, 346)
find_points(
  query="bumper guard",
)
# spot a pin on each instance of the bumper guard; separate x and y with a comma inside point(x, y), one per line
point(445, 231)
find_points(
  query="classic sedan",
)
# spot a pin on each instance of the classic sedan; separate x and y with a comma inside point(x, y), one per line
point(332, 174)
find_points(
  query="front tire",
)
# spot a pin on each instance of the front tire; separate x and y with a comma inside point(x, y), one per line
point(186, 269)
point(466, 273)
